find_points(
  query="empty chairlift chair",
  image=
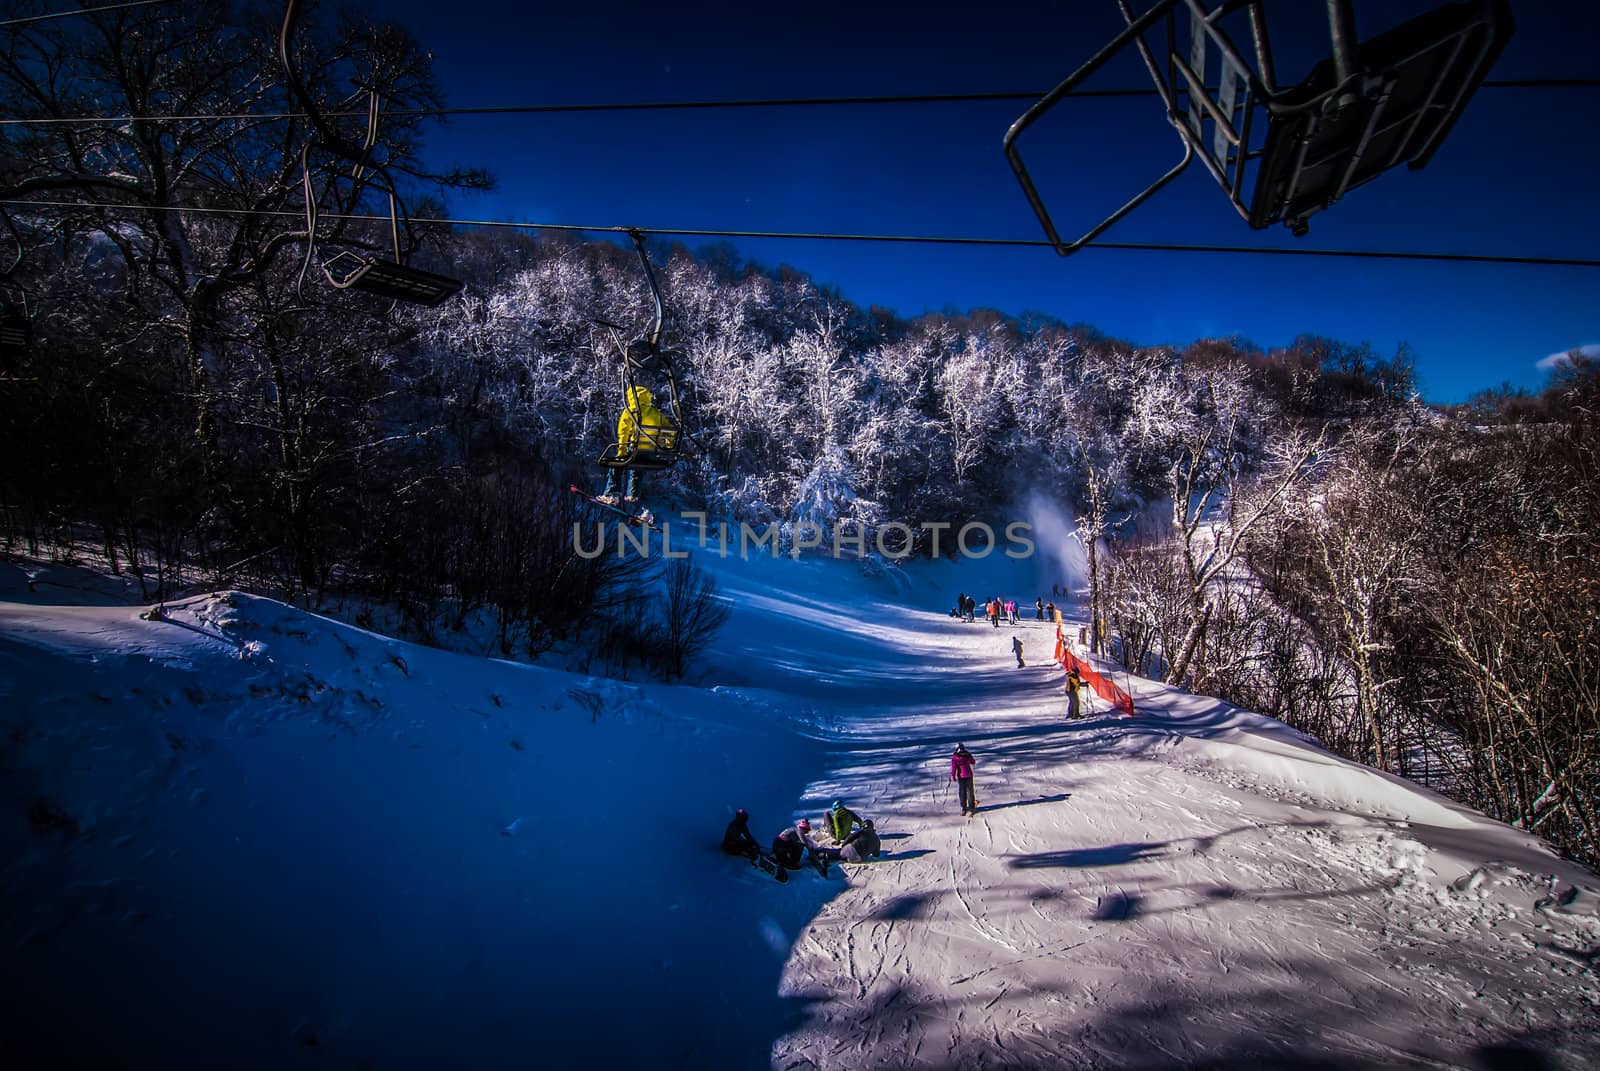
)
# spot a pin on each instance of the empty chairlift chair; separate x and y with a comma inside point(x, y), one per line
point(347, 269)
point(394, 279)
point(1283, 154)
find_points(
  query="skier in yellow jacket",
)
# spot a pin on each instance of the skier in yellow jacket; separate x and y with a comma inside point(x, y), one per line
point(642, 430)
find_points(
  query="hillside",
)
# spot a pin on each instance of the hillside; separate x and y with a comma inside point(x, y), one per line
point(246, 835)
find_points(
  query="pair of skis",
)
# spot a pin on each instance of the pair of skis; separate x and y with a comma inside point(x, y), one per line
point(643, 519)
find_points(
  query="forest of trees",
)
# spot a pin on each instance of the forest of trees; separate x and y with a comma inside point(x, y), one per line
point(1293, 531)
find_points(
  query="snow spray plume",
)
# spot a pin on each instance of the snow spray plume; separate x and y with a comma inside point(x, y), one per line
point(1055, 532)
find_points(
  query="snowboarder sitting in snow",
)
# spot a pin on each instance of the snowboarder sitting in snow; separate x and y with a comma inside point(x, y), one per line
point(642, 430)
point(841, 820)
point(791, 846)
point(861, 845)
point(737, 840)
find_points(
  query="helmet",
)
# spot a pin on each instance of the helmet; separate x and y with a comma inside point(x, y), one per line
point(837, 805)
point(740, 813)
point(866, 823)
point(803, 824)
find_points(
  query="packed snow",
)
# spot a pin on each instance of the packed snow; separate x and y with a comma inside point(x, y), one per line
point(238, 834)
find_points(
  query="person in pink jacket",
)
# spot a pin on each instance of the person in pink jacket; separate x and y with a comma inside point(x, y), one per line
point(961, 763)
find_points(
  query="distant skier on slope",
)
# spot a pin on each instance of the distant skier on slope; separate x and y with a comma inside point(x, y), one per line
point(1074, 682)
point(1016, 649)
point(961, 764)
point(1038, 608)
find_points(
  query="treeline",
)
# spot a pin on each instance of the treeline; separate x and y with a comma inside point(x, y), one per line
point(1424, 596)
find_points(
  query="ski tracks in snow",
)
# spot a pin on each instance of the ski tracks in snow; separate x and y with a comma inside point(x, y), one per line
point(1109, 907)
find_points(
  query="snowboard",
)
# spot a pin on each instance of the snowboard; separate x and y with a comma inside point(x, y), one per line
point(770, 865)
point(644, 518)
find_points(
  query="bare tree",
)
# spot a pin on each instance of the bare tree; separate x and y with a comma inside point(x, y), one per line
point(691, 612)
point(1210, 519)
point(199, 200)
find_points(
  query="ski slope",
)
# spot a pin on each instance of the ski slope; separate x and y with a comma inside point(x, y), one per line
point(249, 836)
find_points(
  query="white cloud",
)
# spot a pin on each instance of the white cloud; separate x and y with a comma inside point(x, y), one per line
point(1591, 350)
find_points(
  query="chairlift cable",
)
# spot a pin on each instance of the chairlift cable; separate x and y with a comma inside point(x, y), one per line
point(690, 105)
point(81, 11)
point(824, 236)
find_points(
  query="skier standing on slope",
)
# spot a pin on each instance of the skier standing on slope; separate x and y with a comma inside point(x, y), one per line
point(1074, 682)
point(1016, 649)
point(1038, 608)
point(961, 763)
point(1011, 610)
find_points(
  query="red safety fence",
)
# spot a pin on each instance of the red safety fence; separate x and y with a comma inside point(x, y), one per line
point(1103, 685)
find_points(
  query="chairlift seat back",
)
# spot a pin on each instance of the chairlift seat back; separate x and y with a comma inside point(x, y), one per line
point(1420, 76)
point(16, 333)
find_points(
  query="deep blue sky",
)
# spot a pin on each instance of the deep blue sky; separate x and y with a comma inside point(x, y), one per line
point(1516, 177)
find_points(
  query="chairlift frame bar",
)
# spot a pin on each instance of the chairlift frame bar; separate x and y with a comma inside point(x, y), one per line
point(1235, 154)
point(392, 279)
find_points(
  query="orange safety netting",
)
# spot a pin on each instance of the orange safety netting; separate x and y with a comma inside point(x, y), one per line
point(1103, 686)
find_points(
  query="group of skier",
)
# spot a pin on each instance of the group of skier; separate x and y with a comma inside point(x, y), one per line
point(997, 610)
point(855, 840)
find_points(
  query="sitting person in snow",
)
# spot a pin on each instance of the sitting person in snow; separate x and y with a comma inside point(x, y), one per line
point(737, 840)
point(841, 820)
point(861, 845)
point(791, 847)
point(642, 430)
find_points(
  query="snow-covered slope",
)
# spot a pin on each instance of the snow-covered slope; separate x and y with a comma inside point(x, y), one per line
point(245, 835)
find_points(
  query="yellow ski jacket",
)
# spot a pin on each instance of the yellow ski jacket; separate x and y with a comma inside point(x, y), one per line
point(642, 426)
